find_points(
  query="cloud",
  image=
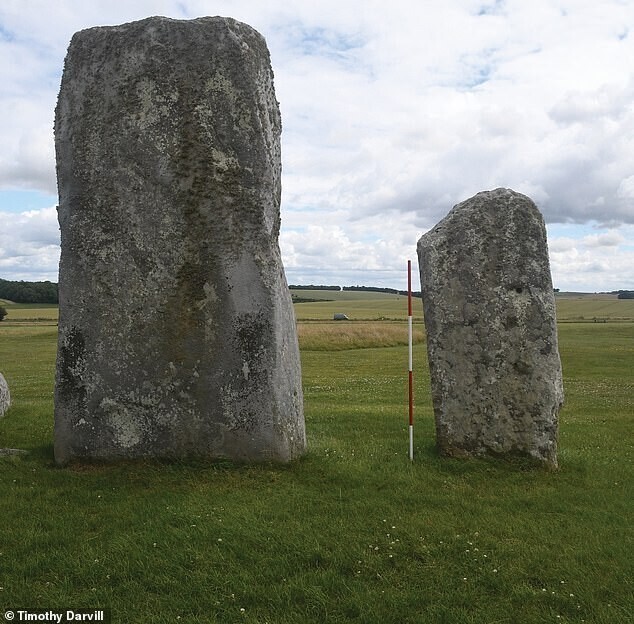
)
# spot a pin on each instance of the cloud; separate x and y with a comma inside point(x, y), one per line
point(603, 261)
point(606, 239)
point(392, 112)
point(29, 245)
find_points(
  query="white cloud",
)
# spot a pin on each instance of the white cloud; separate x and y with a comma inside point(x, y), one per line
point(603, 261)
point(392, 113)
point(605, 239)
point(626, 188)
point(29, 245)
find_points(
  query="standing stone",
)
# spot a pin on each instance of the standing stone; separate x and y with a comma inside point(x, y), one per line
point(177, 334)
point(491, 329)
point(5, 396)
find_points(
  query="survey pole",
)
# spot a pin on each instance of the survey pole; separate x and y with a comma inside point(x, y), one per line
point(410, 369)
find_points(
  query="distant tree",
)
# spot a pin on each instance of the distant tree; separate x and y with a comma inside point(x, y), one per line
point(626, 294)
point(312, 287)
point(3, 313)
point(28, 292)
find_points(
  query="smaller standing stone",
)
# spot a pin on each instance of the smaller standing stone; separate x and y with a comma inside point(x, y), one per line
point(5, 397)
point(491, 329)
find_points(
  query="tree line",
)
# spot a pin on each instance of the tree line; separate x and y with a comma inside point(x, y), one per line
point(29, 292)
point(46, 292)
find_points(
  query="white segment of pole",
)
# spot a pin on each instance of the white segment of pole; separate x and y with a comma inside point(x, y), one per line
point(410, 374)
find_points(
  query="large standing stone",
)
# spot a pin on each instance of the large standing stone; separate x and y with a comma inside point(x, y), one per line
point(491, 329)
point(177, 335)
point(5, 396)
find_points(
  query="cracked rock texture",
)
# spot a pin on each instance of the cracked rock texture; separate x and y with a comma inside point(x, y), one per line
point(5, 396)
point(491, 329)
point(177, 334)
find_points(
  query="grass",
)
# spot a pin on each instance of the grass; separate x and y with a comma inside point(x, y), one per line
point(342, 335)
point(30, 313)
point(600, 308)
point(351, 533)
point(368, 306)
point(377, 306)
point(356, 305)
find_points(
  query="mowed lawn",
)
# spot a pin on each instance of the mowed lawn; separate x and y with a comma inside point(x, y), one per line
point(353, 532)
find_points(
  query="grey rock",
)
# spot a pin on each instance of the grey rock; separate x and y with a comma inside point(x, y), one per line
point(5, 396)
point(177, 335)
point(491, 329)
point(8, 452)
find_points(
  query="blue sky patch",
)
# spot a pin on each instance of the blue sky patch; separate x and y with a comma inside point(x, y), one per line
point(23, 201)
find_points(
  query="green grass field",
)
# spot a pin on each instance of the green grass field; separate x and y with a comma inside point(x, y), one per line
point(30, 313)
point(376, 306)
point(363, 306)
point(353, 532)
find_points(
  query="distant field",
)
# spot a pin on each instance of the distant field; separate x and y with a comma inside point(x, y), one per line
point(371, 306)
point(374, 306)
point(599, 307)
point(41, 313)
point(354, 304)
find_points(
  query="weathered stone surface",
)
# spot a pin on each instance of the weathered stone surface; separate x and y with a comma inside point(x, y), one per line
point(5, 396)
point(7, 452)
point(491, 329)
point(177, 335)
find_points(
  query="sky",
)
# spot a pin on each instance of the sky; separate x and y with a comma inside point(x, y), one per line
point(393, 112)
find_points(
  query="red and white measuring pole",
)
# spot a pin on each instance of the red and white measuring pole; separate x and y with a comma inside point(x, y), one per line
point(410, 370)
